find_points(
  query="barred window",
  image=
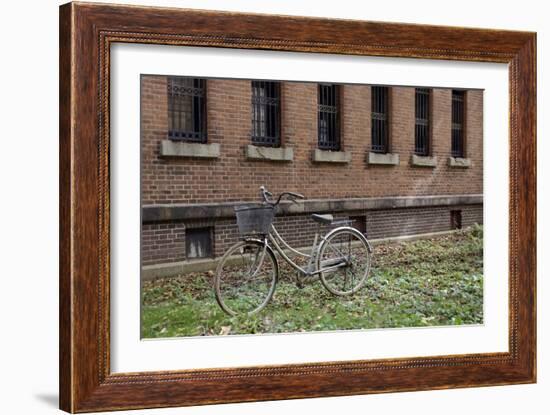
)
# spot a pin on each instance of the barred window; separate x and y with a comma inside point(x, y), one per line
point(329, 117)
point(198, 242)
point(422, 123)
point(456, 219)
point(266, 118)
point(380, 119)
point(359, 223)
point(187, 109)
point(457, 124)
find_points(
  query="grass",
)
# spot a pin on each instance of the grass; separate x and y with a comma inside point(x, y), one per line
point(430, 282)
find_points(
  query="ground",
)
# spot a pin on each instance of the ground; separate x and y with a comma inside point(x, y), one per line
point(430, 282)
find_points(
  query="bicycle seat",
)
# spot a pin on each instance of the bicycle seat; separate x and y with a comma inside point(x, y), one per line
point(324, 219)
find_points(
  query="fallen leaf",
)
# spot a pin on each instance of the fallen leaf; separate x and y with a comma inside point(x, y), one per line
point(225, 330)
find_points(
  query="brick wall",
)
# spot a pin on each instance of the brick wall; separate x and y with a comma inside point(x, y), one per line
point(233, 178)
point(165, 243)
point(162, 243)
point(402, 222)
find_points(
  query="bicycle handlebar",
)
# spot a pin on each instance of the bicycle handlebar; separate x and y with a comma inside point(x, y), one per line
point(266, 195)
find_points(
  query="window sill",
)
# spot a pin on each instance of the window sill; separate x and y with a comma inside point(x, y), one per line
point(459, 162)
point(423, 161)
point(327, 156)
point(384, 159)
point(169, 148)
point(284, 154)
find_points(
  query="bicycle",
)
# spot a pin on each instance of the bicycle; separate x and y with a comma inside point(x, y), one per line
point(248, 272)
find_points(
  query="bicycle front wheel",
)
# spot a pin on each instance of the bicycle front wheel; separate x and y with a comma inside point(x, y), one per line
point(246, 278)
point(344, 261)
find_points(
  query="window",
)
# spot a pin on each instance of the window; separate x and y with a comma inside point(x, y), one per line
point(380, 124)
point(457, 124)
point(422, 122)
point(329, 117)
point(198, 242)
point(266, 118)
point(187, 109)
point(359, 223)
point(456, 219)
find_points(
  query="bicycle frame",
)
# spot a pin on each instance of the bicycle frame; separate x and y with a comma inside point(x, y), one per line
point(275, 238)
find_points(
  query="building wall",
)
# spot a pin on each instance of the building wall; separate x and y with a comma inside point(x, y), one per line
point(231, 177)
point(165, 242)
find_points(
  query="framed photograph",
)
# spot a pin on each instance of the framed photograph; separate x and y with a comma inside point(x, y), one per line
point(259, 207)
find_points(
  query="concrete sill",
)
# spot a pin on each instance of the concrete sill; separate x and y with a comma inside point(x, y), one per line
point(423, 161)
point(385, 159)
point(284, 154)
point(169, 148)
point(326, 156)
point(459, 162)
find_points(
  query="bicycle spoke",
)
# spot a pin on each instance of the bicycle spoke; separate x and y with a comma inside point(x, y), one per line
point(344, 245)
point(337, 251)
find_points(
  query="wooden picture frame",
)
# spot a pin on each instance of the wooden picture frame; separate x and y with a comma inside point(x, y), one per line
point(86, 33)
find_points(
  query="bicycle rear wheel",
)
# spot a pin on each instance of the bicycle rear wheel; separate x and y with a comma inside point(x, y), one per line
point(246, 278)
point(346, 259)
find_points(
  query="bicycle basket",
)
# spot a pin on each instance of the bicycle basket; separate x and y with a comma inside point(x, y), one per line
point(254, 219)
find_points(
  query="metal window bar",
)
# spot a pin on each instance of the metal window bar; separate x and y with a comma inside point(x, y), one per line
point(266, 113)
point(457, 124)
point(422, 122)
point(187, 109)
point(328, 118)
point(379, 122)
